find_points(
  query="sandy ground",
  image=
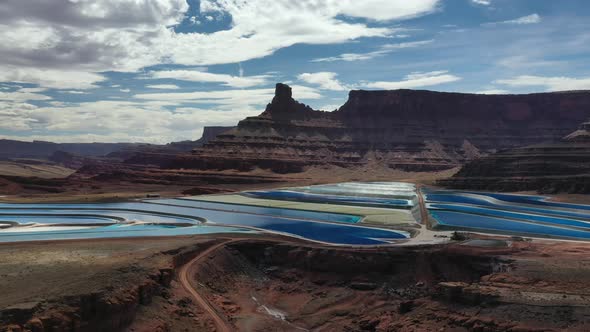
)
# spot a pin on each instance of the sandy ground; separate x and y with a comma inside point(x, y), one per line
point(260, 296)
point(528, 287)
point(42, 170)
point(373, 172)
point(34, 272)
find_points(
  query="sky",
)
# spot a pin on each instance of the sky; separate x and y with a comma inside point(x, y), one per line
point(158, 71)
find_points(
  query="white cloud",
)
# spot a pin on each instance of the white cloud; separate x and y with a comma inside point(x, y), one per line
point(109, 121)
point(74, 92)
point(230, 98)
point(125, 90)
point(50, 78)
point(493, 92)
point(415, 80)
point(23, 94)
point(158, 117)
point(13, 108)
point(163, 86)
point(32, 90)
point(64, 44)
point(482, 2)
point(383, 50)
point(329, 107)
point(522, 61)
point(240, 69)
point(328, 81)
point(325, 80)
point(203, 76)
point(529, 19)
point(194, 20)
point(549, 83)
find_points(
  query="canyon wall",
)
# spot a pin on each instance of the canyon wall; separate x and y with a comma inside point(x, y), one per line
point(403, 129)
point(562, 166)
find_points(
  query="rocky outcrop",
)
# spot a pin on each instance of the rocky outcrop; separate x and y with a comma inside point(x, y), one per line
point(453, 288)
point(403, 129)
point(110, 309)
point(548, 168)
point(209, 133)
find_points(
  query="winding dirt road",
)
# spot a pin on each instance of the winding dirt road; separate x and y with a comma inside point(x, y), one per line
point(184, 276)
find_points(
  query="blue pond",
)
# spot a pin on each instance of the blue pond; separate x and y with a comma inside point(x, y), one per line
point(482, 200)
point(65, 219)
point(485, 223)
point(508, 214)
point(290, 213)
point(303, 224)
point(117, 231)
point(535, 200)
point(513, 215)
point(330, 199)
point(387, 190)
point(58, 215)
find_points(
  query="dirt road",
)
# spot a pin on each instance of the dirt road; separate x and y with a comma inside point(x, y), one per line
point(184, 276)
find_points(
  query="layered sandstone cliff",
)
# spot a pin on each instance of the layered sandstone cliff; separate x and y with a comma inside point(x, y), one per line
point(562, 166)
point(403, 129)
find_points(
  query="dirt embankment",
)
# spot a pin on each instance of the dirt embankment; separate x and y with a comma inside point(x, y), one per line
point(97, 286)
point(269, 286)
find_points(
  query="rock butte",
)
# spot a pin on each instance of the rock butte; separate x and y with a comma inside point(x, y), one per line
point(403, 129)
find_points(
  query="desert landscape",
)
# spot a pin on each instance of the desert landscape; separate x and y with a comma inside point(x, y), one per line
point(270, 165)
point(249, 245)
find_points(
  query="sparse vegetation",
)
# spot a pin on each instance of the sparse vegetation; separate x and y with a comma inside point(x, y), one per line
point(459, 236)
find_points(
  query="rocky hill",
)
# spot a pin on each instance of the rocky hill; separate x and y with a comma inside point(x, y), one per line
point(549, 168)
point(403, 129)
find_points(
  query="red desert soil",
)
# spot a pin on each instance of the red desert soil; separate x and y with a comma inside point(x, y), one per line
point(184, 279)
point(281, 287)
point(263, 283)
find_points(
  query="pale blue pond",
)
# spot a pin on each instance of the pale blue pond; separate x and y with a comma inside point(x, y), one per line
point(509, 214)
point(472, 222)
point(290, 213)
point(535, 200)
point(395, 190)
point(482, 200)
point(513, 215)
point(118, 231)
point(81, 216)
point(65, 219)
point(329, 199)
point(335, 233)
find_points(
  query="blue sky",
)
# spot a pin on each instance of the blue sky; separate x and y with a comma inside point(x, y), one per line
point(159, 70)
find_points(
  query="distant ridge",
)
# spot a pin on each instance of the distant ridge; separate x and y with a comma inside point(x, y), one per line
point(10, 149)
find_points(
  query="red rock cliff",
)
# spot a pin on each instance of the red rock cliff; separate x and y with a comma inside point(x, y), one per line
point(405, 129)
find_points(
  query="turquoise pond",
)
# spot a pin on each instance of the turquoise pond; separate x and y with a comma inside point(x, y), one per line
point(524, 215)
point(166, 217)
point(397, 190)
point(290, 195)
